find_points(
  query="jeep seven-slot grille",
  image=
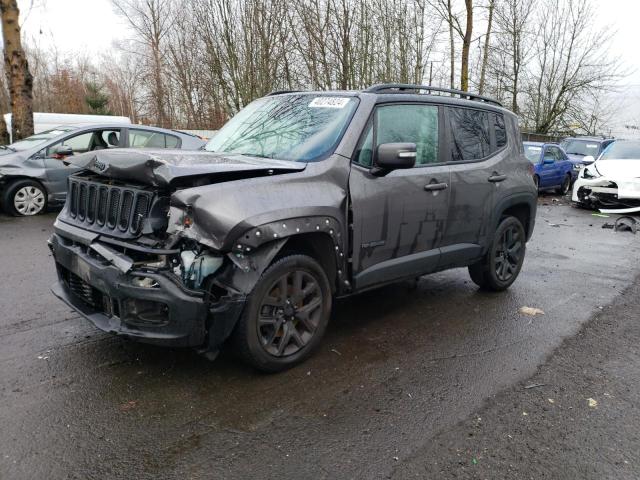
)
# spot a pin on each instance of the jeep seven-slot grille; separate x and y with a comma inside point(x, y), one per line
point(115, 209)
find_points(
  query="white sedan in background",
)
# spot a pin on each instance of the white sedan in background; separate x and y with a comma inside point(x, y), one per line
point(611, 183)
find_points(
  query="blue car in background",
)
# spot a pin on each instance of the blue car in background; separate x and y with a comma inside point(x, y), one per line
point(552, 166)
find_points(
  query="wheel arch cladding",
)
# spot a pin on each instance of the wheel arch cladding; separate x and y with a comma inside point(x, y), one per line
point(522, 211)
point(320, 237)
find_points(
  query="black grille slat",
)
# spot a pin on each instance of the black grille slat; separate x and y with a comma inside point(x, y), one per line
point(92, 203)
point(139, 212)
point(125, 211)
point(114, 208)
point(111, 209)
point(73, 199)
point(102, 205)
point(82, 202)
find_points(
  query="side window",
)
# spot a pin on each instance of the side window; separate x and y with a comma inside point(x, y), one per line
point(410, 123)
point(111, 138)
point(149, 139)
point(171, 141)
point(469, 132)
point(78, 143)
point(500, 131)
point(549, 155)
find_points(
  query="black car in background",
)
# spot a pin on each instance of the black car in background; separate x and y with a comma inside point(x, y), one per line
point(585, 149)
point(34, 171)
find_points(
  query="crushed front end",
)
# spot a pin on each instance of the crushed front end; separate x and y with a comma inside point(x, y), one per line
point(120, 267)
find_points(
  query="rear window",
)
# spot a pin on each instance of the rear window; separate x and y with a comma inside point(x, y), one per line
point(469, 134)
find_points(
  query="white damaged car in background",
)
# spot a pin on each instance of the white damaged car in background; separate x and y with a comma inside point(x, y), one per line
point(611, 183)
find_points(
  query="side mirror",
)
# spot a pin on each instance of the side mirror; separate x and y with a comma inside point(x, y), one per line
point(588, 159)
point(62, 151)
point(393, 156)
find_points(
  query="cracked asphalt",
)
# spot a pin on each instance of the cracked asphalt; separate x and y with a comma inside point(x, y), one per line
point(393, 388)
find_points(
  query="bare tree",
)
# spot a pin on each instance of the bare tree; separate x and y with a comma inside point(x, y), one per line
point(487, 43)
point(572, 64)
point(16, 67)
point(151, 20)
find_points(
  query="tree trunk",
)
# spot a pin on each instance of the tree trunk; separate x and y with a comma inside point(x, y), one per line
point(485, 53)
point(466, 45)
point(452, 48)
point(17, 70)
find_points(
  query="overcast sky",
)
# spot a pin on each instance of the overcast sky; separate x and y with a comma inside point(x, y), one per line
point(92, 26)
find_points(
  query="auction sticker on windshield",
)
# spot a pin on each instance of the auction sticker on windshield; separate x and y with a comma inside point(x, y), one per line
point(329, 102)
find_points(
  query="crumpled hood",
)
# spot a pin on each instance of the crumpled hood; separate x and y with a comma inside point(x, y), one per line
point(167, 168)
point(618, 169)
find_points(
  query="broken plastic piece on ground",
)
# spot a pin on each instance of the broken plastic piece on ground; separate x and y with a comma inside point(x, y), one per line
point(533, 311)
point(626, 224)
point(608, 226)
point(592, 403)
point(534, 385)
point(620, 210)
point(601, 215)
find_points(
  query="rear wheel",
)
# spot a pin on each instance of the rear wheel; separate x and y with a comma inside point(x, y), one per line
point(565, 186)
point(286, 314)
point(24, 198)
point(502, 263)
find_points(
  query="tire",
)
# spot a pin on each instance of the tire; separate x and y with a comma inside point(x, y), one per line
point(24, 198)
point(566, 185)
point(496, 271)
point(536, 181)
point(281, 325)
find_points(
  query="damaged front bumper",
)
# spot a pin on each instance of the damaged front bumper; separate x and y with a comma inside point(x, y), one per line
point(151, 306)
point(606, 193)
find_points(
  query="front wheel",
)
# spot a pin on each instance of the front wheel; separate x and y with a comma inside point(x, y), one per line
point(24, 198)
point(501, 265)
point(536, 182)
point(286, 314)
point(565, 186)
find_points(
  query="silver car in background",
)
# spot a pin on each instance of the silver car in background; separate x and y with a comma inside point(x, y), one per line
point(33, 173)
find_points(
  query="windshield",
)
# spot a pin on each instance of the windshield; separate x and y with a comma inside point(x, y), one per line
point(301, 128)
point(532, 152)
point(38, 138)
point(622, 151)
point(581, 147)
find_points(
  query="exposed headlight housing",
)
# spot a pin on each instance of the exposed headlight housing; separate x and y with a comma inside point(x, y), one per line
point(589, 172)
point(577, 167)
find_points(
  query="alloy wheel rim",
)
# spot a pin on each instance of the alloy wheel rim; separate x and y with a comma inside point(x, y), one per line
point(565, 185)
point(290, 313)
point(29, 200)
point(508, 253)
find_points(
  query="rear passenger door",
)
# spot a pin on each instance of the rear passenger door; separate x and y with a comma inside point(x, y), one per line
point(476, 145)
point(398, 218)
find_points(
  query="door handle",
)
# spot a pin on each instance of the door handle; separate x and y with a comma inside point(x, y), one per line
point(495, 178)
point(432, 187)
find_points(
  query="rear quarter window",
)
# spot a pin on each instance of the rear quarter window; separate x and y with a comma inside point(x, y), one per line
point(469, 134)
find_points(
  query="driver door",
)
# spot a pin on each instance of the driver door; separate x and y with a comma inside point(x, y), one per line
point(398, 218)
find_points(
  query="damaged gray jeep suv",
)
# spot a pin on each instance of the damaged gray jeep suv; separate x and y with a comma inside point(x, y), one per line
point(300, 198)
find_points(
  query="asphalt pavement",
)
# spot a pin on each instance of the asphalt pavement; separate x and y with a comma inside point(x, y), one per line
point(400, 369)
